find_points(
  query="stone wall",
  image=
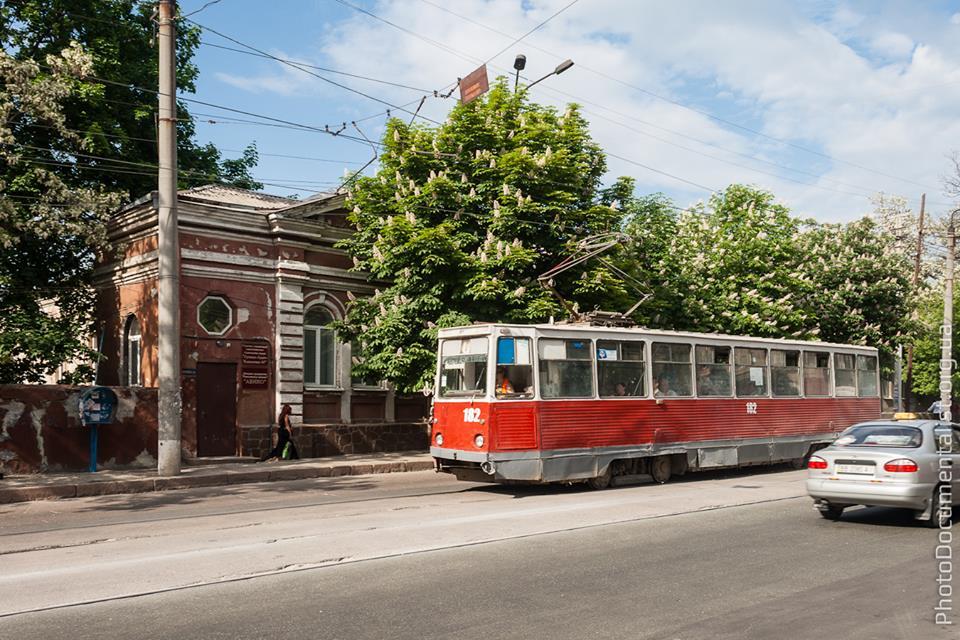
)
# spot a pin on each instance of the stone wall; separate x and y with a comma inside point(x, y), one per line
point(317, 441)
point(40, 429)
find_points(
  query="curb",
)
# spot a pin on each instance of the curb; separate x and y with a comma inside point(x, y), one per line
point(147, 485)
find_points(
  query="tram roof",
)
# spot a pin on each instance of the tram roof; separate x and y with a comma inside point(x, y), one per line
point(488, 328)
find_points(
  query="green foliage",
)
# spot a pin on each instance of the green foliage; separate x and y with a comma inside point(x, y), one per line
point(927, 342)
point(461, 219)
point(236, 172)
point(727, 266)
point(71, 150)
point(862, 291)
point(49, 229)
point(742, 264)
point(115, 121)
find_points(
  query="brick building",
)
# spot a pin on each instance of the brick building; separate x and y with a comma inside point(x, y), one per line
point(260, 282)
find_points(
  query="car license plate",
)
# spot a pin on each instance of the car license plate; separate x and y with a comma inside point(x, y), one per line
point(857, 469)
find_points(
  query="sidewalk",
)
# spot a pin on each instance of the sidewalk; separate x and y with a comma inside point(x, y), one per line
point(24, 488)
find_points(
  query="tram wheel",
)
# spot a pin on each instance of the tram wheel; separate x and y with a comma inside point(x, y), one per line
point(602, 481)
point(660, 469)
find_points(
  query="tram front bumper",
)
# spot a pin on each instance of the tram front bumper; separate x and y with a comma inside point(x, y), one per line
point(457, 455)
point(487, 467)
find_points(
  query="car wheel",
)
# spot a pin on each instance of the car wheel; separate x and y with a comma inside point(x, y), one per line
point(660, 469)
point(831, 512)
point(938, 517)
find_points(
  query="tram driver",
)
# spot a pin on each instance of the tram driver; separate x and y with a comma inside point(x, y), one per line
point(503, 386)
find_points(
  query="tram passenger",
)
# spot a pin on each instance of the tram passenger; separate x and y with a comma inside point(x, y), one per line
point(620, 389)
point(663, 387)
point(705, 384)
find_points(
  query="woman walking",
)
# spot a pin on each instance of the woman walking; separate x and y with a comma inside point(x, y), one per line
point(285, 449)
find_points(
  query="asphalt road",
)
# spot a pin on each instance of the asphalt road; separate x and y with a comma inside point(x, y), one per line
point(725, 555)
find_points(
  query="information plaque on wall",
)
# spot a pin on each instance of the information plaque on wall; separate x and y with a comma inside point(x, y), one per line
point(255, 366)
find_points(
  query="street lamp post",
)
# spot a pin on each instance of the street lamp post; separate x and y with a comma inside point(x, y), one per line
point(563, 66)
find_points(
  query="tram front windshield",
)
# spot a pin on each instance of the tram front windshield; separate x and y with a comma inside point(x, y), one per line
point(463, 367)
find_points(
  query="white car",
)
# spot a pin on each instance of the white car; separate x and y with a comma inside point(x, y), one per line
point(911, 464)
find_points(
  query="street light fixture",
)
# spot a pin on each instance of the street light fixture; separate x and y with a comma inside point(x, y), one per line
point(518, 63)
point(563, 66)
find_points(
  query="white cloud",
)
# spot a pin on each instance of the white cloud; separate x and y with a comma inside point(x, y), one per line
point(863, 89)
point(278, 78)
point(892, 45)
point(955, 18)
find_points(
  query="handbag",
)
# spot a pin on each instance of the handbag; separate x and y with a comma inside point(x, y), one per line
point(287, 450)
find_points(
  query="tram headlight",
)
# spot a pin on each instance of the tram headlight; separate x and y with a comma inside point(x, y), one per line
point(439, 439)
point(478, 440)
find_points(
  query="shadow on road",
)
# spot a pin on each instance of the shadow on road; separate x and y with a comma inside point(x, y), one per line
point(528, 490)
point(883, 517)
point(197, 495)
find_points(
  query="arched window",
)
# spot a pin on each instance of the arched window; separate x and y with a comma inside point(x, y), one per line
point(319, 348)
point(131, 352)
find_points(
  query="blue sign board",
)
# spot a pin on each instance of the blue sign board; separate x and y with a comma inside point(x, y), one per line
point(98, 405)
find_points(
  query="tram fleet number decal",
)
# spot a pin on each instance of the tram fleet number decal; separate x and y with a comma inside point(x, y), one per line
point(752, 408)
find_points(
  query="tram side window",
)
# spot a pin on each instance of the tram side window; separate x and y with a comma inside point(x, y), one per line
point(816, 373)
point(463, 367)
point(845, 374)
point(514, 377)
point(713, 371)
point(566, 368)
point(672, 369)
point(867, 376)
point(751, 371)
point(785, 372)
point(620, 369)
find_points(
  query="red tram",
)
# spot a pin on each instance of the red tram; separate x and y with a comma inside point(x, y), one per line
point(561, 403)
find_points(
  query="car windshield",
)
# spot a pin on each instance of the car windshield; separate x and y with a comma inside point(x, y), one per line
point(883, 435)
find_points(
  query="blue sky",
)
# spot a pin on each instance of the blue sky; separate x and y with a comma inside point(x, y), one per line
point(823, 103)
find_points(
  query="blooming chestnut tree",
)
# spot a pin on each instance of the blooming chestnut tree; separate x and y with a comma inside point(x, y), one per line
point(50, 229)
point(460, 220)
point(741, 263)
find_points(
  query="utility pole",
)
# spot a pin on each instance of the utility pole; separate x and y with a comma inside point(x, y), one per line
point(916, 280)
point(168, 311)
point(946, 331)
